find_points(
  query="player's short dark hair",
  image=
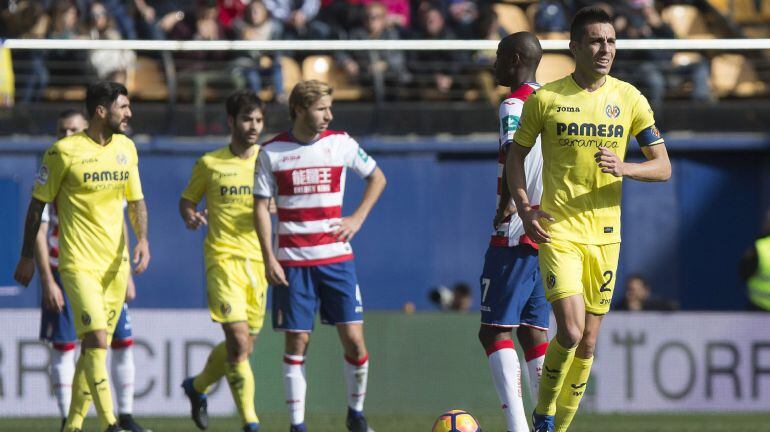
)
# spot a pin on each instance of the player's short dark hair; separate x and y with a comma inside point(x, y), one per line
point(584, 17)
point(243, 100)
point(103, 93)
point(70, 112)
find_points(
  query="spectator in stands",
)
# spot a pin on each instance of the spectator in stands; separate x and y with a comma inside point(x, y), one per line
point(638, 297)
point(652, 70)
point(463, 15)
point(256, 24)
point(551, 16)
point(230, 10)
point(119, 12)
point(156, 18)
point(110, 65)
point(28, 20)
point(298, 18)
point(204, 67)
point(754, 269)
point(378, 68)
point(436, 69)
point(65, 24)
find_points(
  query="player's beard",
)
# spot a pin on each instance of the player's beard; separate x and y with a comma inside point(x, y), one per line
point(115, 126)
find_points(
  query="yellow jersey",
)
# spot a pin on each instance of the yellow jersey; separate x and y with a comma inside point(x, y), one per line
point(572, 124)
point(90, 183)
point(227, 182)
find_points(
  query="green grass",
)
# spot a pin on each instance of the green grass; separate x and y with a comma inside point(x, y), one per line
point(423, 423)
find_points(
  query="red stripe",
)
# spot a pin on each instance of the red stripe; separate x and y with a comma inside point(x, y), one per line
point(122, 343)
point(55, 252)
point(498, 345)
point(306, 240)
point(281, 137)
point(525, 240)
point(521, 93)
point(308, 213)
point(358, 363)
point(309, 180)
point(292, 361)
point(310, 263)
point(535, 352)
point(66, 346)
point(498, 241)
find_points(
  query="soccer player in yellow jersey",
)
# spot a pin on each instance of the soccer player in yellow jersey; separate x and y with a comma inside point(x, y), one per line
point(235, 280)
point(585, 121)
point(89, 175)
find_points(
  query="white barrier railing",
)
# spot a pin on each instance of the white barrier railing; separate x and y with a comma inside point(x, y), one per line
point(366, 45)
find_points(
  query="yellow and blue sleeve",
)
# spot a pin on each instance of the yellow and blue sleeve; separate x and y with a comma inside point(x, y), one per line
point(196, 187)
point(643, 123)
point(50, 175)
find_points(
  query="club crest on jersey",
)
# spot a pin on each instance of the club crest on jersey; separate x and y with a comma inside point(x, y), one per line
point(612, 111)
point(122, 159)
point(42, 175)
point(551, 281)
point(85, 318)
point(225, 308)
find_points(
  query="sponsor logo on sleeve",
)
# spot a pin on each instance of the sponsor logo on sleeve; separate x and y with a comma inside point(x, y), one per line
point(362, 154)
point(42, 175)
point(510, 123)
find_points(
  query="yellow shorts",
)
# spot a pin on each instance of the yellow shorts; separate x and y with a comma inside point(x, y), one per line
point(570, 268)
point(96, 298)
point(237, 289)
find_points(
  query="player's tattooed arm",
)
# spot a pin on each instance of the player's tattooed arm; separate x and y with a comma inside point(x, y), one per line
point(137, 215)
point(25, 269)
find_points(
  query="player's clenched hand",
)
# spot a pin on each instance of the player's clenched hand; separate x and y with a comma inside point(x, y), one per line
point(275, 274)
point(141, 256)
point(25, 269)
point(530, 218)
point(346, 228)
point(195, 220)
point(53, 299)
point(609, 162)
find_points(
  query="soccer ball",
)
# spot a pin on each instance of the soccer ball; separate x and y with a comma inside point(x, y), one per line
point(456, 421)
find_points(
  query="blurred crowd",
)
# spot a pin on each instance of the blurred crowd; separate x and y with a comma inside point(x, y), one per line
point(437, 71)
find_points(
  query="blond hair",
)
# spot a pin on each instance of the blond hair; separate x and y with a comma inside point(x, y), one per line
point(306, 93)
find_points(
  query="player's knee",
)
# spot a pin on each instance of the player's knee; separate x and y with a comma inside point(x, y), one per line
point(296, 343)
point(586, 347)
point(569, 336)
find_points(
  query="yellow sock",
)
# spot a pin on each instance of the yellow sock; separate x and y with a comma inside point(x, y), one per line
point(555, 365)
point(241, 381)
point(81, 399)
point(572, 392)
point(213, 371)
point(95, 368)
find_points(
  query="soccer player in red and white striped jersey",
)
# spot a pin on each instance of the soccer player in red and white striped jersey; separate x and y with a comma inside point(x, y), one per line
point(304, 170)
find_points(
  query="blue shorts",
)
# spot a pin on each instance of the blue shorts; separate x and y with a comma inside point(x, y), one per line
point(59, 328)
point(333, 287)
point(511, 289)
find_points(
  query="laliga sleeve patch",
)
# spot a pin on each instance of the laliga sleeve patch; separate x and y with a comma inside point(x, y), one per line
point(362, 154)
point(42, 175)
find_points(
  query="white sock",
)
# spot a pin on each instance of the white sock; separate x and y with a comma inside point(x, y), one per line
point(506, 374)
point(123, 374)
point(535, 358)
point(356, 374)
point(62, 373)
point(295, 386)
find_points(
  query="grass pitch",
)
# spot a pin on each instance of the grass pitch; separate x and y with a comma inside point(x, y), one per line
point(491, 422)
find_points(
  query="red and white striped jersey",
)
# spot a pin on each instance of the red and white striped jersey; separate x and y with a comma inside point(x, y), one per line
point(308, 183)
point(511, 231)
point(49, 215)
